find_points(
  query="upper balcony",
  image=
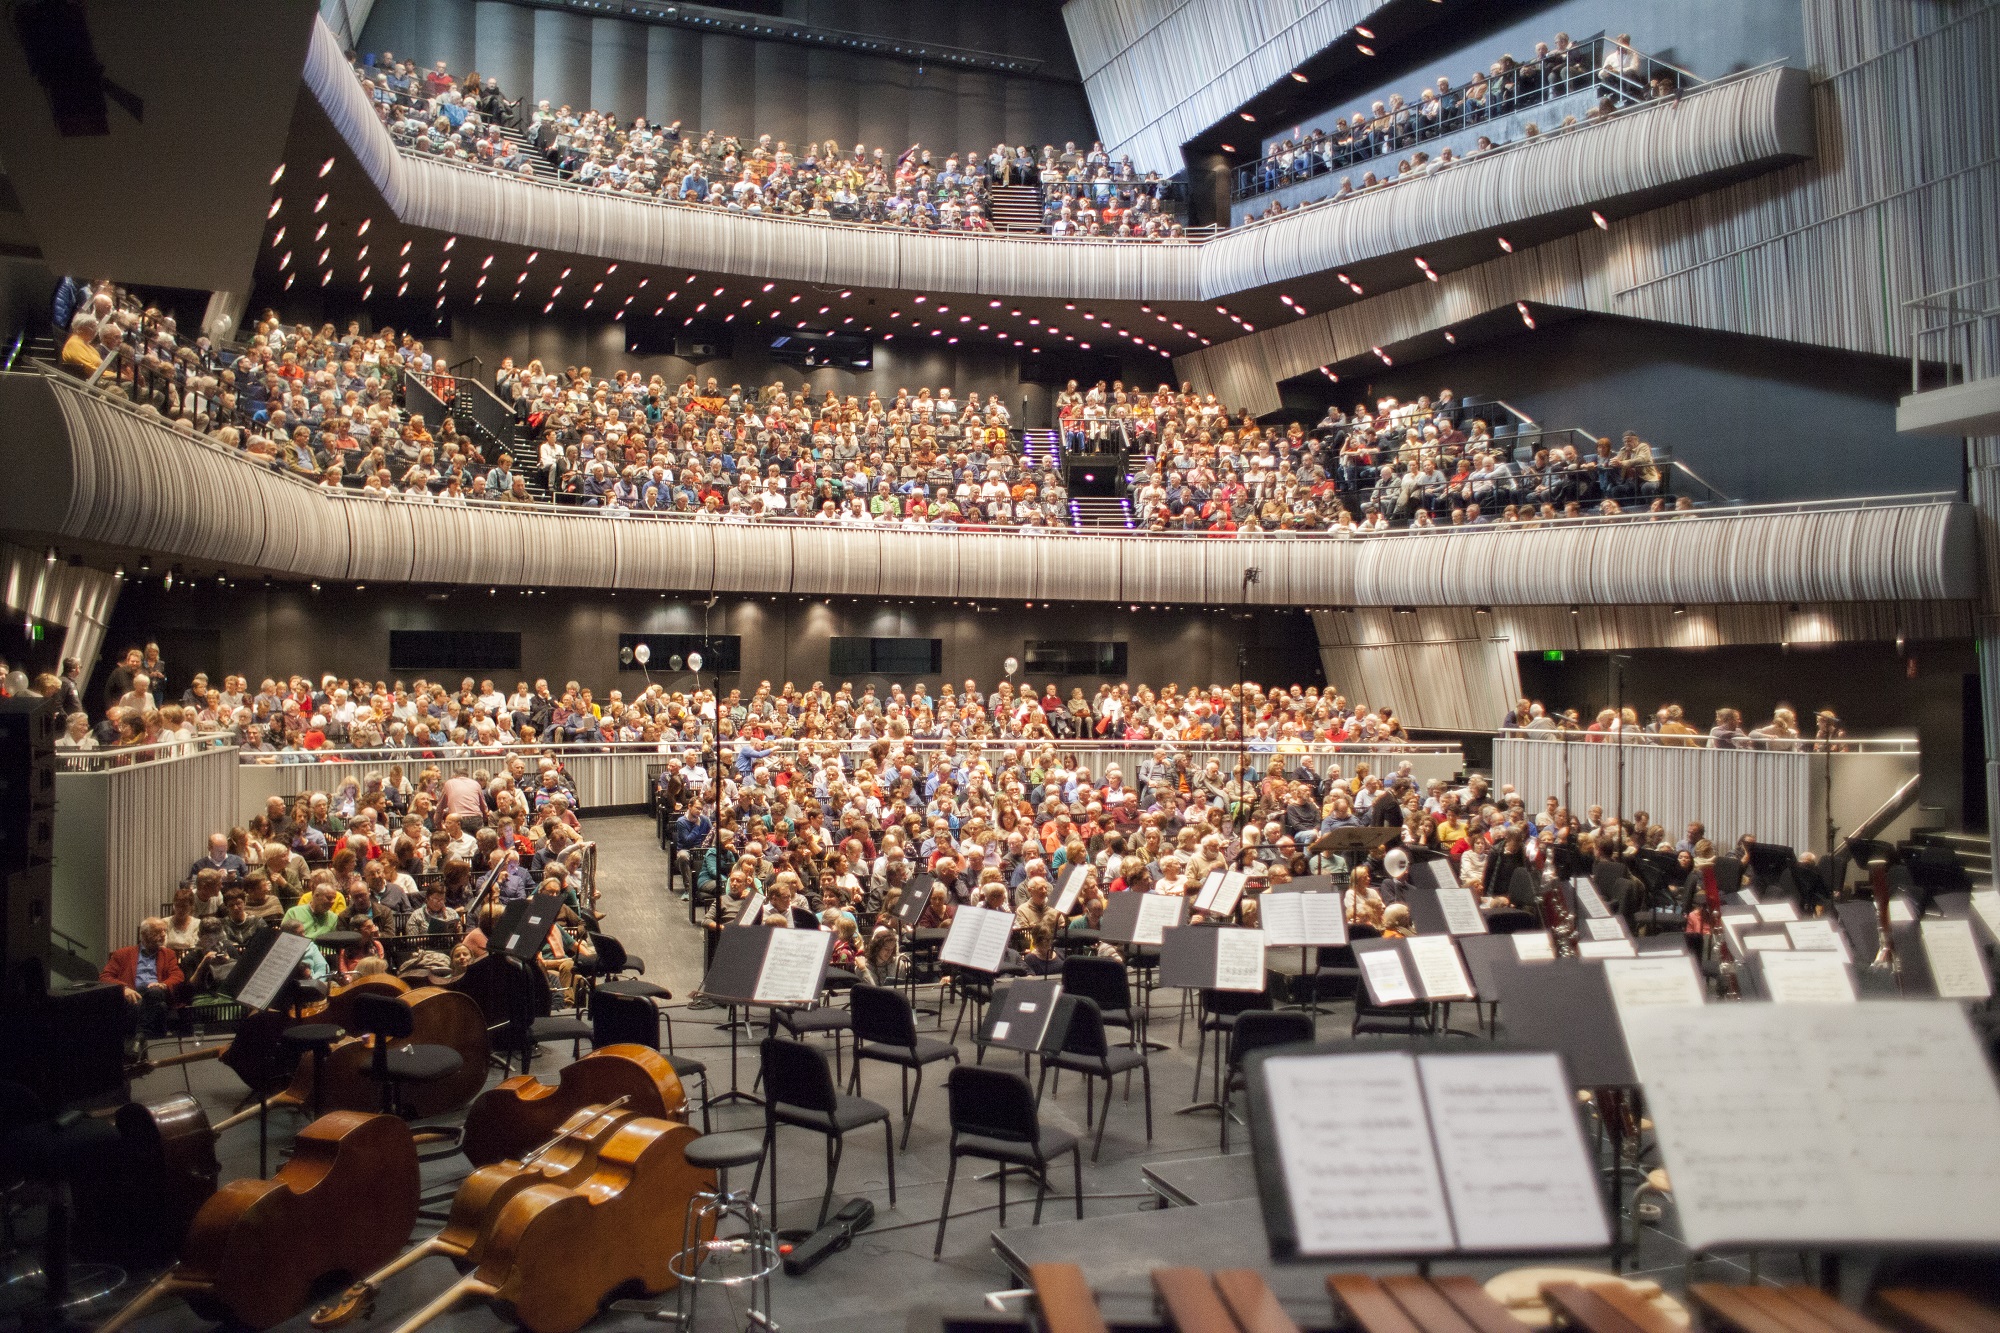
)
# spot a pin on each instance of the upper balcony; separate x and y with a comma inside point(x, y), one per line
point(1736, 127)
point(99, 474)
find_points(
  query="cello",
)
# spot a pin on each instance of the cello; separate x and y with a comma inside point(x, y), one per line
point(556, 1254)
point(507, 1120)
point(442, 1017)
point(139, 1212)
point(566, 1159)
point(345, 1203)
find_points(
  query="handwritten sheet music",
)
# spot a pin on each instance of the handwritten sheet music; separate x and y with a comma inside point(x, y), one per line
point(1239, 959)
point(1638, 982)
point(1779, 911)
point(1956, 967)
point(1807, 976)
point(1157, 911)
point(1986, 906)
point(1072, 885)
point(794, 962)
point(1540, 1191)
point(1222, 901)
point(1301, 920)
point(1847, 1124)
point(977, 939)
point(1386, 976)
point(1820, 935)
point(1606, 949)
point(1355, 1146)
point(1588, 899)
point(1461, 911)
point(1534, 946)
point(1440, 970)
point(287, 951)
point(1604, 928)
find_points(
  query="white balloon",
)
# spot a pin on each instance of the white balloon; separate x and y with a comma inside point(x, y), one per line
point(643, 653)
point(694, 661)
point(1012, 665)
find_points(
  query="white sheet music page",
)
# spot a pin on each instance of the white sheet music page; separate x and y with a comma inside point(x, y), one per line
point(1956, 967)
point(1283, 917)
point(1846, 1124)
point(793, 964)
point(1807, 976)
point(1227, 891)
point(1778, 911)
point(1326, 918)
point(1157, 911)
point(1819, 935)
point(1587, 898)
point(752, 913)
point(1900, 913)
point(1206, 894)
point(1461, 911)
point(1606, 949)
point(1986, 906)
point(1649, 981)
point(1072, 884)
point(1440, 970)
point(1239, 958)
point(1386, 976)
point(1604, 927)
point(977, 939)
point(1534, 946)
point(1512, 1155)
point(273, 970)
point(1355, 1147)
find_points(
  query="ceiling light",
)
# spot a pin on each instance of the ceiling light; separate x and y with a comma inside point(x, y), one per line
point(449, 242)
point(1364, 32)
point(1598, 218)
point(320, 202)
point(533, 255)
point(279, 174)
point(1364, 50)
point(1506, 245)
point(1300, 77)
point(276, 204)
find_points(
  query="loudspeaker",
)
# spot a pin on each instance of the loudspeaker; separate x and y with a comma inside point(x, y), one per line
point(28, 729)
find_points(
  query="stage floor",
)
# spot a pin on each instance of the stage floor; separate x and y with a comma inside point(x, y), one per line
point(888, 1271)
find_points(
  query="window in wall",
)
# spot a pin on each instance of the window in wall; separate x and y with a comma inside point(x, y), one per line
point(885, 657)
point(461, 649)
point(1074, 657)
point(719, 652)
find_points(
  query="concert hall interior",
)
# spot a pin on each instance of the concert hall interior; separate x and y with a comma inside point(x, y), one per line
point(1234, 666)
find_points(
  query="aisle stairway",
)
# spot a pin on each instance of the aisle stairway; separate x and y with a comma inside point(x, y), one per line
point(1015, 207)
point(1102, 512)
point(1042, 448)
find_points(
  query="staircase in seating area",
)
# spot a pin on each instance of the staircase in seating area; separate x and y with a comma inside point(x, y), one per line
point(1972, 851)
point(1042, 448)
point(545, 170)
point(1015, 207)
point(1093, 511)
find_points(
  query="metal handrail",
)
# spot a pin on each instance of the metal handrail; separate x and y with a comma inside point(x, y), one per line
point(1956, 329)
point(107, 757)
point(1756, 745)
point(1905, 499)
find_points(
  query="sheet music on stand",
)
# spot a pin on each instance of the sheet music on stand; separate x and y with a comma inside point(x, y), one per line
point(1392, 1154)
point(1440, 971)
point(794, 967)
point(1029, 1014)
point(753, 910)
point(1069, 888)
point(1618, 948)
point(524, 927)
point(977, 939)
point(1605, 928)
point(264, 971)
point(1141, 918)
point(1803, 976)
point(1637, 982)
point(1434, 873)
point(1957, 964)
point(1819, 935)
point(1302, 920)
point(1777, 911)
point(1219, 897)
point(1985, 905)
point(1848, 1125)
point(916, 897)
point(1587, 898)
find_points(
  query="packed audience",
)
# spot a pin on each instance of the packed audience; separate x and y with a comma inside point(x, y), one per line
point(1620, 75)
point(328, 406)
point(1085, 193)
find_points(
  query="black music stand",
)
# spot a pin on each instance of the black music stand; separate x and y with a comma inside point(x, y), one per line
point(1122, 924)
point(909, 910)
point(738, 972)
point(1193, 958)
point(1027, 1014)
point(261, 979)
point(1323, 928)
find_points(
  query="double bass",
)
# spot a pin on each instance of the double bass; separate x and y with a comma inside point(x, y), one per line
point(508, 1120)
point(556, 1253)
point(138, 1210)
point(566, 1159)
point(338, 1080)
point(344, 1203)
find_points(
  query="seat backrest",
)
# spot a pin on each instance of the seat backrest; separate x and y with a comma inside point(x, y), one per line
point(1511, 921)
point(611, 956)
point(795, 1074)
point(619, 1018)
point(1268, 1027)
point(1099, 979)
point(384, 1015)
point(1235, 1001)
point(882, 1015)
point(1086, 1030)
point(992, 1102)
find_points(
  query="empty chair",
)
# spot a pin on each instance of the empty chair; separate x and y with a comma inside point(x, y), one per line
point(388, 1020)
point(621, 1018)
point(1102, 981)
point(1254, 1031)
point(993, 1118)
point(885, 1029)
point(607, 970)
point(1086, 1051)
point(1219, 1012)
point(799, 1091)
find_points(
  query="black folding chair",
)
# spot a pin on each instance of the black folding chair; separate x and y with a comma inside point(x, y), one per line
point(885, 1029)
point(1086, 1051)
point(993, 1118)
point(388, 1020)
point(1254, 1031)
point(632, 1018)
point(799, 1091)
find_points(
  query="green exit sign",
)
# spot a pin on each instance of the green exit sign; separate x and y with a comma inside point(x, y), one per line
point(1552, 654)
